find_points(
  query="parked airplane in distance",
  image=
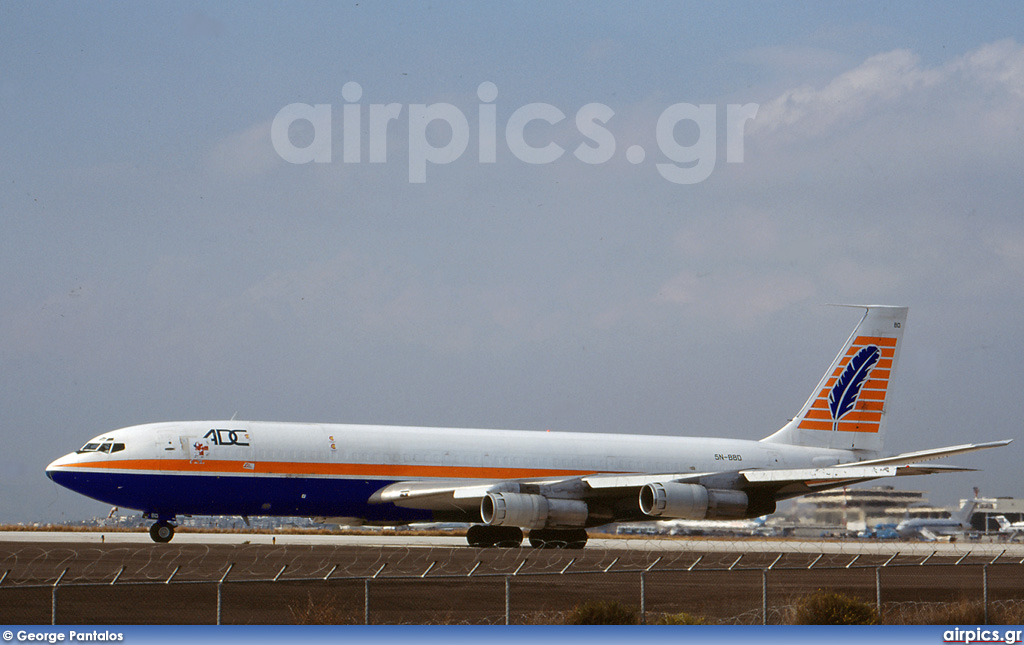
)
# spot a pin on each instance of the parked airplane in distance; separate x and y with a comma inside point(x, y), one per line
point(934, 528)
point(555, 484)
point(1010, 529)
point(716, 527)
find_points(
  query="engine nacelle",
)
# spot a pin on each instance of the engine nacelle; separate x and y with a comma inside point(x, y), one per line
point(692, 502)
point(532, 511)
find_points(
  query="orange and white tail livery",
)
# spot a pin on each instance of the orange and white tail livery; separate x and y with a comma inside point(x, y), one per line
point(847, 409)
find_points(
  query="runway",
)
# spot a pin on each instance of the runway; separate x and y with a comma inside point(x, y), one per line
point(1004, 550)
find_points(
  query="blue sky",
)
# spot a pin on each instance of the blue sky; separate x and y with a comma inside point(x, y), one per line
point(160, 260)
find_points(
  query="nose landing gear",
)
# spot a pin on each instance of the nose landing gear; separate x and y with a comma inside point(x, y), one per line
point(162, 531)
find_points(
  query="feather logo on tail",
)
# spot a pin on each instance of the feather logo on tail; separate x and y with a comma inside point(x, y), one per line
point(844, 393)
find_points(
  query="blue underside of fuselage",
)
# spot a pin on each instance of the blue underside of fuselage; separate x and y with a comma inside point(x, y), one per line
point(169, 495)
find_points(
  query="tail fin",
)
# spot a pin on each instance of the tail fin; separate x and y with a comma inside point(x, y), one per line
point(847, 410)
point(1004, 524)
point(966, 511)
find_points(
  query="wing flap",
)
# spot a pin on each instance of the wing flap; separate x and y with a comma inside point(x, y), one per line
point(818, 474)
point(636, 481)
point(932, 453)
point(856, 471)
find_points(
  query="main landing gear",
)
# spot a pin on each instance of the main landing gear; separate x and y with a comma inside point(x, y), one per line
point(501, 536)
point(162, 531)
point(558, 538)
point(484, 536)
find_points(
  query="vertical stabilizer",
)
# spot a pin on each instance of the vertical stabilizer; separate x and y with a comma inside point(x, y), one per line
point(847, 409)
point(963, 515)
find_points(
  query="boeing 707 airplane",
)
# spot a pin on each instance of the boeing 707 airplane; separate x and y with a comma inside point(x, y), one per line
point(554, 484)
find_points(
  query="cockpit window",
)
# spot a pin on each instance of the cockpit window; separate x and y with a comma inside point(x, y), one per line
point(101, 446)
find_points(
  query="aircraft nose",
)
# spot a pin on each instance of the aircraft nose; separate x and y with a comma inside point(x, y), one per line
point(57, 464)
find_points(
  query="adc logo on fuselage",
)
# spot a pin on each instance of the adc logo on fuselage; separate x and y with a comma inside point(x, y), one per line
point(228, 437)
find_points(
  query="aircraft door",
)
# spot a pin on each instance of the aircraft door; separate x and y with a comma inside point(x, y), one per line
point(166, 444)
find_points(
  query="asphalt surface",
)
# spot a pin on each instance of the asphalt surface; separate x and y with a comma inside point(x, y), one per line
point(414, 540)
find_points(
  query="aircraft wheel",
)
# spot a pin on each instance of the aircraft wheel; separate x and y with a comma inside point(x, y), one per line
point(558, 539)
point(476, 536)
point(576, 539)
point(161, 532)
point(490, 536)
point(544, 539)
point(508, 537)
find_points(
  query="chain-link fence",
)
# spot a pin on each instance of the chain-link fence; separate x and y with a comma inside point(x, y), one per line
point(275, 585)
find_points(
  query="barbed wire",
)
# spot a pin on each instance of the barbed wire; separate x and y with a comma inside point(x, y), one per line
point(39, 564)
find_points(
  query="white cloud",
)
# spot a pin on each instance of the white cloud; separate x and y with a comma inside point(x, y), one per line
point(891, 80)
point(881, 78)
point(999, 65)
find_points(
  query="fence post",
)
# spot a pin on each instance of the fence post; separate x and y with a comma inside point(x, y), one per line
point(220, 586)
point(878, 592)
point(764, 596)
point(984, 592)
point(366, 601)
point(53, 598)
point(643, 597)
point(508, 600)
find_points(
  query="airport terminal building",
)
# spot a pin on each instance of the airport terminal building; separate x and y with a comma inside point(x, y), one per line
point(855, 509)
point(983, 518)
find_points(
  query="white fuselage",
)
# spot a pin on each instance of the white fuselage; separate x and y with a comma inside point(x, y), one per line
point(269, 468)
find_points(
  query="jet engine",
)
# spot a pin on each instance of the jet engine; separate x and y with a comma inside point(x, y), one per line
point(532, 511)
point(693, 502)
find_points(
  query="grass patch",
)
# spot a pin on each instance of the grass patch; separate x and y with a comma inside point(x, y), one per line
point(830, 608)
point(599, 612)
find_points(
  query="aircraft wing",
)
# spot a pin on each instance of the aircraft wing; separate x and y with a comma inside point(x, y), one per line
point(440, 495)
point(927, 534)
point(465, 495)
point(933, 453)
point(799, 481)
